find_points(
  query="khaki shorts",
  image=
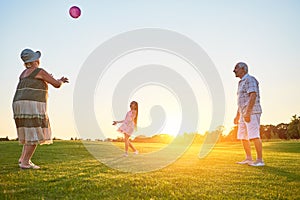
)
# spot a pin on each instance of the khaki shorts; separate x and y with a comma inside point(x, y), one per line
point(248, 131)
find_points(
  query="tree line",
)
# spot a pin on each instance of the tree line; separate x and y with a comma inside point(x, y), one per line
point(284, 131)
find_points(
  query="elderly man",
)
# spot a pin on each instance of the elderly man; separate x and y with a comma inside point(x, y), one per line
point(248, 114)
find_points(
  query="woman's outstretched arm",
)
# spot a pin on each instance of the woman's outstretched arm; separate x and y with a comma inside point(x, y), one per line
point(45, 76)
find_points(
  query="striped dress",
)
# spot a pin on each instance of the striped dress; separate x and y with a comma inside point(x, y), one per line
point(30, 110)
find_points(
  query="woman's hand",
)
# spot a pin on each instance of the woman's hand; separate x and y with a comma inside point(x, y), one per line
point(64, 79)
point(114, 122)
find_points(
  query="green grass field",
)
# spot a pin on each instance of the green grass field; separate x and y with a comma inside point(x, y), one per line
point(68, 171)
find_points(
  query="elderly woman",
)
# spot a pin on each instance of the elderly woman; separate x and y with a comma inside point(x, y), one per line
point(30, 106)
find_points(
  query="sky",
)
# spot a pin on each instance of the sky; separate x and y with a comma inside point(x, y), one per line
point(264, 34)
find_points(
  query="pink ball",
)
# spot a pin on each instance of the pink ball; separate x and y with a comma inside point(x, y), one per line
point(75, 12)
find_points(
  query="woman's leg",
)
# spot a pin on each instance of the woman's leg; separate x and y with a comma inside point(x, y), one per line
point(22, 154)
point(28, 153)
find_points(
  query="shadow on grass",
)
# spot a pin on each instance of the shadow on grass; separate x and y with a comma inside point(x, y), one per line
point(285, 147)
point(290, 176)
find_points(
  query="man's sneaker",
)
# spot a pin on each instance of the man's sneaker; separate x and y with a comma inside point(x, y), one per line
point(246, 161)
point(125, 155)
point(257, 164)
point(136, 152)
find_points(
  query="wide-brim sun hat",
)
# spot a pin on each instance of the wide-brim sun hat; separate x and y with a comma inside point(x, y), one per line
point(27, 55)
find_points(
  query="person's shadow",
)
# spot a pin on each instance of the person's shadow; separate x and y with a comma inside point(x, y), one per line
point(290, 176)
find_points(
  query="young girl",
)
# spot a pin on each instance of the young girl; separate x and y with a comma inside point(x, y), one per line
point(129, 124)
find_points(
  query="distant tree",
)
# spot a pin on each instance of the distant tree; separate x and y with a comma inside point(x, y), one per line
point(266, 131)
point(293, 128)
point(141, 138)
point(4, 139)
point(281, 130)
point(215, 135)
point(108, 140)
point(198, 138)
point(118, 139)
point(160, 138)
point(273, 134)
point(232, 135)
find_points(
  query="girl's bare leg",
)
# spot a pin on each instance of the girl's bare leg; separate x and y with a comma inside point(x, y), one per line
point(128, 144)
point(131, 146)
point(126, 140)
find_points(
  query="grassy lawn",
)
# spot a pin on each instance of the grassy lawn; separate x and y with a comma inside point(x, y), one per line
point(68, 171)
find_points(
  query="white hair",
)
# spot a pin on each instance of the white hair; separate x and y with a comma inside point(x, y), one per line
point(243, 66)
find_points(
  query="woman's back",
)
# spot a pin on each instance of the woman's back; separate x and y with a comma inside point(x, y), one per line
point(32, 89)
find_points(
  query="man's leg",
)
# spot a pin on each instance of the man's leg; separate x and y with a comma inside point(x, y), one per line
point(243, 136)
point(254, 134)
point(247, 148)
point(258, 146)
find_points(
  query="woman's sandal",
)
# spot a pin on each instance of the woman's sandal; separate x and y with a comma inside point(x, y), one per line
point(30, 166)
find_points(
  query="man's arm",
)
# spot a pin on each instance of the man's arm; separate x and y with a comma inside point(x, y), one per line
point(237, 117)
point(250, 107)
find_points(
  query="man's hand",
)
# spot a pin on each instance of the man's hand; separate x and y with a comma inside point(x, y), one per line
point(236, 120)
point(247, 117)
